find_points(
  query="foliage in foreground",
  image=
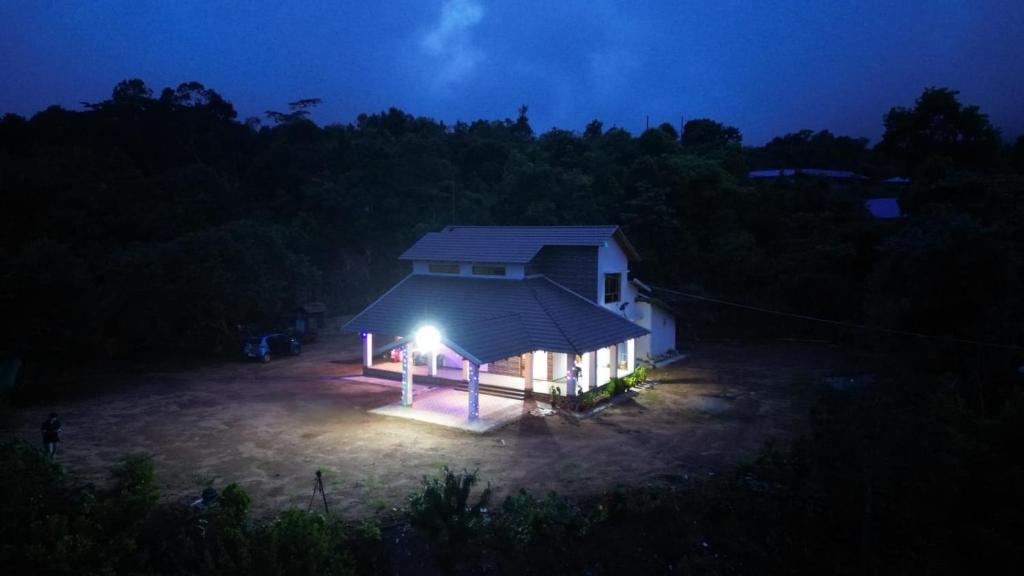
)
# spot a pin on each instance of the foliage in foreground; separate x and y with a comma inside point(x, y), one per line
point(899, 476)
point(888, 480)
point(51, 525)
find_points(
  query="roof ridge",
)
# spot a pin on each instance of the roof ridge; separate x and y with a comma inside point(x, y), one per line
point(547, 312)
point(374, 303)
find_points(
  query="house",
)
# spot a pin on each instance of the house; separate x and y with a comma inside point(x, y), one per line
point(513, 310)
point(310, 317)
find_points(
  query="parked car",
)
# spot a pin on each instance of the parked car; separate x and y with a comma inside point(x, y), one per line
point(264, 347)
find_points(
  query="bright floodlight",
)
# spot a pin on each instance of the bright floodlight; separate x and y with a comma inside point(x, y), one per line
point(428, 339)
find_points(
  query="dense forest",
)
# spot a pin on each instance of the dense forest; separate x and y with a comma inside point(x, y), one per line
point(156, 225)
point(147, 224)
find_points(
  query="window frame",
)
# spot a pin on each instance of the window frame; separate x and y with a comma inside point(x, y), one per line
point(449, 268)
point(618, 287)
point(489, 270)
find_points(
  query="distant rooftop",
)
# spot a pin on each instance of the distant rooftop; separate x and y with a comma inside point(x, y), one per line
point(884, 208)
point(787, 172)
point(508, 244)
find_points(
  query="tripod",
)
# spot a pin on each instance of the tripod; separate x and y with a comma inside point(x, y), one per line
point(318, 486)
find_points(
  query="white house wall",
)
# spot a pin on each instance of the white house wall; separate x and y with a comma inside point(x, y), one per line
point(611, 259)
point(662, 326)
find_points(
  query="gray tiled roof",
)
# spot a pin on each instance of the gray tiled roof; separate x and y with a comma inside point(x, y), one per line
point(493, 319)
point(507, 244)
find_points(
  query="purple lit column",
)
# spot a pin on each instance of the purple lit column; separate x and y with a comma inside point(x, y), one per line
point(367, 349)
point(406, 376)
point(473, 384)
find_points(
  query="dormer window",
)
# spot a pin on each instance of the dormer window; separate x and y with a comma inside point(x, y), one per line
point(488, 270)
point(443, 268)
point(612, 287)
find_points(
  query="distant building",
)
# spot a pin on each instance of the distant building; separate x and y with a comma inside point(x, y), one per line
point(884, 208)
point(790, 172)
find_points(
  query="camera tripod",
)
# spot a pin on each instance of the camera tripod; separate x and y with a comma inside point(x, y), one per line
point(318, 486)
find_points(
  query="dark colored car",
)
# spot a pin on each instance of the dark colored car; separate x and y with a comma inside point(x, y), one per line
point(264, 347)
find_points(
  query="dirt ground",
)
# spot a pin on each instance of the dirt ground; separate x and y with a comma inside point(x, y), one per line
point(270, 426)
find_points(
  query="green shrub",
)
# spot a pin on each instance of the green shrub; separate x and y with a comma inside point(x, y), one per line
point(544, 530)
point(301, 543)
point(442, 512)
point(587, 400)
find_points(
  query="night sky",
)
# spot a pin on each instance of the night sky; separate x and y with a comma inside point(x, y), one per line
point(769, 68)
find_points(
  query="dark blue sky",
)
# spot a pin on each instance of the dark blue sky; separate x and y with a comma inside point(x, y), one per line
point(766, 67)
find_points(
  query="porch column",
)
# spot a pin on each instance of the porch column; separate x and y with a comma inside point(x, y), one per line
point(613, 361)
point(407, 367)
point(433, 363)
point(591, 360)
point(367, 349)
point(528, 374)
point(473, 385)
point(630, 355)
point(465, 370)
point(570, 374)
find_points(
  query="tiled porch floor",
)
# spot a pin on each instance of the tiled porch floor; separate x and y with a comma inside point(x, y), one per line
point(449, 407)
point(513, 382)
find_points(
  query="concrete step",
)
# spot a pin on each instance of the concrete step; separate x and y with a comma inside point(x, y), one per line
point(495, 391)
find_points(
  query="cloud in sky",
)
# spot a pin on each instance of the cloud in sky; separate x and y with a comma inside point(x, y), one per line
point(449, 42)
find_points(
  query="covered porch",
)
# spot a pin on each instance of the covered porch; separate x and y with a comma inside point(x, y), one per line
point(534, 373)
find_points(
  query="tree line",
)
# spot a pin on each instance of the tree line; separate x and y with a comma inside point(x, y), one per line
point(148, 225)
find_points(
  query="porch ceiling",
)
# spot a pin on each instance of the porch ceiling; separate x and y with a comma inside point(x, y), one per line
point(486, 320)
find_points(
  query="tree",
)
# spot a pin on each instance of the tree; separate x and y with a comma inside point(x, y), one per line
point(937, 134)
point(706, 133)
point(132, 90)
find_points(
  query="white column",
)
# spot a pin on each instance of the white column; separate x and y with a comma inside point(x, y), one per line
point(528, 373)
point(591, 359)
point(630, 355)
point(367, 349)
point(570, 374)
point(433, 363)
point(407, 369)
point(613, 361)
point(473, 385)
point(465, 370)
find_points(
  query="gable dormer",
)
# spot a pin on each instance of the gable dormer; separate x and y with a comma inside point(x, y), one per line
point(589, 260)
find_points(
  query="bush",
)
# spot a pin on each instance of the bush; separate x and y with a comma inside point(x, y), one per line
point(301, 543)
point(442, 512)
point(587, 400)
point(545, 531)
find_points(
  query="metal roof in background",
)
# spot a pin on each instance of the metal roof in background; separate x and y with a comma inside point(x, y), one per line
point(789, 172)
point(509, 244)
point(492, 319)
point(884, 208)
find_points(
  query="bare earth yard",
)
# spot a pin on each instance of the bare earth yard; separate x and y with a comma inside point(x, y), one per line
point(269, 427)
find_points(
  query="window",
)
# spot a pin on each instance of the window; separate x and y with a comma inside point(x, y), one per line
point(489, 270)
point(612, 288)
point(443, 268)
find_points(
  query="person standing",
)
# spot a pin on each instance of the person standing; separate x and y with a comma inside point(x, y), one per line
point(51, 435)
